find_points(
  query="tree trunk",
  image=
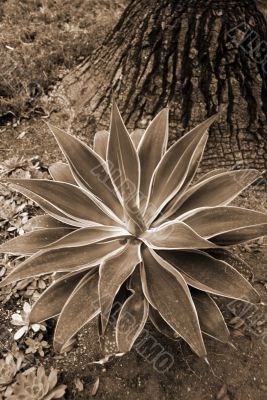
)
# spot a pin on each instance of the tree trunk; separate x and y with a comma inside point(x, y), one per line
point(192, 55)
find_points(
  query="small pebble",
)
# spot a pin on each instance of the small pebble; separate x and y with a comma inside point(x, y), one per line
point(222, 393)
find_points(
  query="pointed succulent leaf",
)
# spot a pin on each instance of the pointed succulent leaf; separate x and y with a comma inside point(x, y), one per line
point(168, 292)
point(135, 282)
point(205, 273)
point(122, 156)
point(173, 168)
point(161, 325)
point(63, 197)
point(57, 275)
point(73, 317)
point(113, 273)
point(240, 235)
point(61, 172)
point(213, 221)
point(46, 206)
point(133, 315)
point(52, 300)
point(222, 253)
point(211, 173)
point(32, 242)
point(175, 235)
point(216, 190)
point(174, 203)
point(107, 339)
point(123, 162)
point(44, 222)
point(90, 235)
point(63, 259)
point(124, 168)
point(151, 149)
point(136, 136)
point(101, 143)
point(196, 158)
point(131, 321)
point(88, 169)
point(210, 317)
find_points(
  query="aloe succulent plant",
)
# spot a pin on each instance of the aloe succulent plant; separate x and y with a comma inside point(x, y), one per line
point(131, 238)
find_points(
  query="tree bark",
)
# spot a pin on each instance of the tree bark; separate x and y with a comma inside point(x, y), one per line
point(192, 55)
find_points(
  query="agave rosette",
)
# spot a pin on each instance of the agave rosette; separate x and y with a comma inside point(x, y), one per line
point(130, 238)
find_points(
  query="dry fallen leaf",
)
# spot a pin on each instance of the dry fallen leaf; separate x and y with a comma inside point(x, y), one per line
point(78, 384)
point(95, 387)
